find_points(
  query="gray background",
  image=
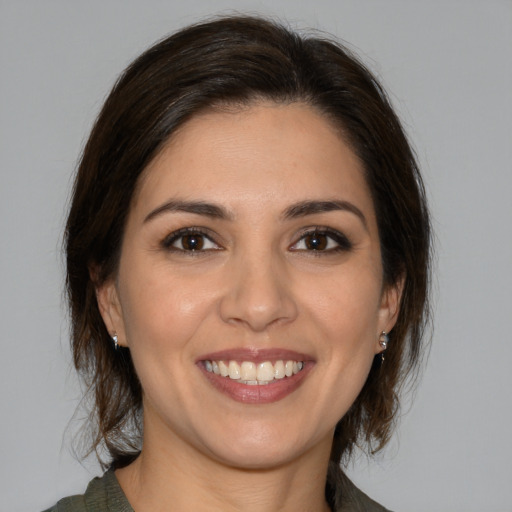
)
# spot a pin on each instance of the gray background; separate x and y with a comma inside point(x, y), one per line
point(448, 66)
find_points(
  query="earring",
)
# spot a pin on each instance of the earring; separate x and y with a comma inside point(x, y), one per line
point(114, 339)
point(384, 340)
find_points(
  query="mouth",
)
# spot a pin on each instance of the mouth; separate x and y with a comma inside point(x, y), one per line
point(256, 377)
point(254, 374)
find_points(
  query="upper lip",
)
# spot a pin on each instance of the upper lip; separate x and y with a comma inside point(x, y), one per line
point(255, 355)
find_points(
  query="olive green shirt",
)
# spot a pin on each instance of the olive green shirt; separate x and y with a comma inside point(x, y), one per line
point(104, 494)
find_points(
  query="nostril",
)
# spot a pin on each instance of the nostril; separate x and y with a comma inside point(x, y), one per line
point(258, 301)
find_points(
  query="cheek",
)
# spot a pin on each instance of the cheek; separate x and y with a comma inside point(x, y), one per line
point(342, 317)
point(345, 320)
point(162, 315)
point(161, 308)
point(350, 300)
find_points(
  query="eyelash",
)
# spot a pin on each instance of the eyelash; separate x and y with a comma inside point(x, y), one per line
point(342, 242)
point(201, 233)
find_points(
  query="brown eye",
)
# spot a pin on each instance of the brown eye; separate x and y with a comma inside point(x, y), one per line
point(316, 241)
point(324, 240)
point(189, 240)
point(193, 242)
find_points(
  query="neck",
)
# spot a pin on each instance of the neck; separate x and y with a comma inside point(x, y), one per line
point(177, 478)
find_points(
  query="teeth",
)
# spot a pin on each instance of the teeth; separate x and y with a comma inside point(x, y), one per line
point(265, 371)
point(254, 374)
point(279, 370)
point(254, 382)
point(234, 370)
point(223, 369)
point(248, 371)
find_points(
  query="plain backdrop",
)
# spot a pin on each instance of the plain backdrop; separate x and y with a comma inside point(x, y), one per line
point(448, 67)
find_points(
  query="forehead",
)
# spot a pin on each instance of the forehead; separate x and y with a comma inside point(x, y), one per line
point(255, 154)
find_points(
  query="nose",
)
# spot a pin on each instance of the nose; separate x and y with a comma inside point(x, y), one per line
point(259, 294)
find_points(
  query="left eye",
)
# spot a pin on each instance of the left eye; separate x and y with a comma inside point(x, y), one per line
point(321, 241)
point(190, 242)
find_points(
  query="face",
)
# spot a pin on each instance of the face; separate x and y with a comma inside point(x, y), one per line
point(250, 288)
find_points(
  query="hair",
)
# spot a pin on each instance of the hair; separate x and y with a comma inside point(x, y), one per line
point(240, 60)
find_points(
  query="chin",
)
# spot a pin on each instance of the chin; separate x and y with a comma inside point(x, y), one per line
point(261, 450)
point(259, 460)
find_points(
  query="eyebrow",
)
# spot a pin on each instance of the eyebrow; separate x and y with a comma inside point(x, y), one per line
point(305, 208)
point(298, 210)
point(198, 207)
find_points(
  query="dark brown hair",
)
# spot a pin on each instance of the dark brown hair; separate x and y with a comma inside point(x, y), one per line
point(236, 61)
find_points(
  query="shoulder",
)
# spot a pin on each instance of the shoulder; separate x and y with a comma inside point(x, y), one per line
point(103, 493)
point(69, 504)
point(346, 497)
point(356, 500)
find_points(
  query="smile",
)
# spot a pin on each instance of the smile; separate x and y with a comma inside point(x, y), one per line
point(254, 374)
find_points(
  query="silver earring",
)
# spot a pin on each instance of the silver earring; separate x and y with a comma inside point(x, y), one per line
point(383, 342)
point(114, 339)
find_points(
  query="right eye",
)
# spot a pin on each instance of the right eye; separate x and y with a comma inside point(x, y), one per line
point(322, 241)
point(190, 240)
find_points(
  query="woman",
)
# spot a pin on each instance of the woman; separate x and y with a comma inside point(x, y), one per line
point(247, 269)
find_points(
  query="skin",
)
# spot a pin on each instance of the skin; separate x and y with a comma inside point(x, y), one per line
point(255, 284)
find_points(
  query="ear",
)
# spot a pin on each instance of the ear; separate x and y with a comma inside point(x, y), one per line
point(110, 309)
point(389, 308)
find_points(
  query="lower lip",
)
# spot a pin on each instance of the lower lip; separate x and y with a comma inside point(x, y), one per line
point(257, 394)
